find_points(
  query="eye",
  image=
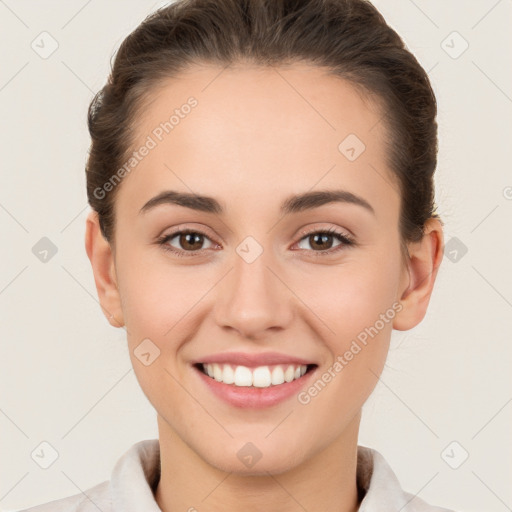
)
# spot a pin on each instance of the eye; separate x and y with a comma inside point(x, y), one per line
point(190, 242)
point(323, 240)
point(187, 240)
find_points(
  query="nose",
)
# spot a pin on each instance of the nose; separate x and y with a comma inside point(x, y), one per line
point(253, 298)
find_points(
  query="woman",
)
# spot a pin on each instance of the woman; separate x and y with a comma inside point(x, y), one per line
point(261, 184)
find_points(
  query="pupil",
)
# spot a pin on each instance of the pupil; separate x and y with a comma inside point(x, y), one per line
point(190, 238)
point(323, 238)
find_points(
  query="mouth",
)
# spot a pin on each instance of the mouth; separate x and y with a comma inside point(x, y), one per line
point(255, 377)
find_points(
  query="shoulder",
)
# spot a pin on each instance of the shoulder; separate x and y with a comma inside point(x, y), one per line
point(380, 486)
point(97, 497)
point(130, 488)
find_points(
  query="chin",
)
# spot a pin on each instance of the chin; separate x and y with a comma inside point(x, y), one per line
point(249, 460)
point(260, 468)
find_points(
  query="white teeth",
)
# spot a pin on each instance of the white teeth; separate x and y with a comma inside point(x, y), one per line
point(289, 374)
point(260, 377)
point(228, 375)
point(243, 376)
point(217, 372)
point(277, 375)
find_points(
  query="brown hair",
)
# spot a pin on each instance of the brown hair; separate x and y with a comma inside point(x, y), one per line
point(348, 37)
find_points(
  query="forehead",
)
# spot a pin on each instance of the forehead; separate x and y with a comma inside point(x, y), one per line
point(259, 131)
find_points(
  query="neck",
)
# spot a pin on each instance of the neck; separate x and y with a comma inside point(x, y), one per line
point(326, 481)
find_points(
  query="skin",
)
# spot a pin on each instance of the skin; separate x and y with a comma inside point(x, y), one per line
point(251, 142)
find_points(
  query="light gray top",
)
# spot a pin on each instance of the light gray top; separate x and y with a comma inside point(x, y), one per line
point(136, 474)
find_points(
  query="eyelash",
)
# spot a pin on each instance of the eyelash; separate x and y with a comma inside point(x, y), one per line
point(346, 240)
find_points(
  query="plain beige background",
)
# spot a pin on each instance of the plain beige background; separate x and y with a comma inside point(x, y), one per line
point(65, 374)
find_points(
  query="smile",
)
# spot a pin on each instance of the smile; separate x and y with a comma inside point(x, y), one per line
point(254, 380)
point(259, 377)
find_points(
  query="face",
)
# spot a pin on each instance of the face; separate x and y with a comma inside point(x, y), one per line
point(263, 279)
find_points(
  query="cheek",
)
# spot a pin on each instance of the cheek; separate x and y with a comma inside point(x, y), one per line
point(361, 313)
point(158, 303)
point(351, 297)
point(357, 305)
point(163, 304)
point(156, 296)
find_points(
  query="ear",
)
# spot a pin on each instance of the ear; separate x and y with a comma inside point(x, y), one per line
point(102, 261)
point(423, 264)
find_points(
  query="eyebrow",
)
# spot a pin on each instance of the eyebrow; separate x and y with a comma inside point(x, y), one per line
point(293, 204)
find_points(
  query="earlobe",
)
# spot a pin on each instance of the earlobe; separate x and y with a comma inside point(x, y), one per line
point(102, 261)
point(423, 264)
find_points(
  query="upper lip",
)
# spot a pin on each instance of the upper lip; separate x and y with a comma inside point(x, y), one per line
point(252, 360)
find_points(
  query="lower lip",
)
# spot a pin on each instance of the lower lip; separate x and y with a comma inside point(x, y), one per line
point(252, 397)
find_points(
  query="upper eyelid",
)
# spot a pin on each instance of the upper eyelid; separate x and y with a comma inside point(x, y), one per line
point(187, 229)
point(330, 230)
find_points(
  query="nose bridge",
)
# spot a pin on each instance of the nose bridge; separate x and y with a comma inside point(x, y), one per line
point(252, 299)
